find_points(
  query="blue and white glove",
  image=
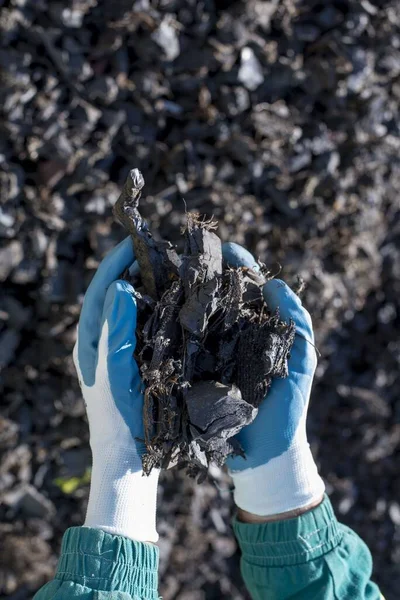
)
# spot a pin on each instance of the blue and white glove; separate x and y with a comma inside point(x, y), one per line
point(122, 501)
point(279, 473)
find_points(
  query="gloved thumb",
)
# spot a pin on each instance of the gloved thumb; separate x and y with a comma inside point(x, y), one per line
point(279, 296)
point(118, 339)
point(237, 256)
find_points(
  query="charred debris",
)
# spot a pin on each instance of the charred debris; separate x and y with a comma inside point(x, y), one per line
point(207, 345)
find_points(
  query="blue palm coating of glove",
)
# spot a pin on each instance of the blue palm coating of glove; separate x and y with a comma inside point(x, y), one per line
point(96, 301)
point(279, 415)
point(111, 302)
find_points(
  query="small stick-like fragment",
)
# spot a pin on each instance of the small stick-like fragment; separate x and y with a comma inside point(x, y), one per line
point(158, 261)
point(126, 211)
point(125, 208)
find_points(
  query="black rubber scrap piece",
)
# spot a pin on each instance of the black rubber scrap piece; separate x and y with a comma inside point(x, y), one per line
point(207, 345)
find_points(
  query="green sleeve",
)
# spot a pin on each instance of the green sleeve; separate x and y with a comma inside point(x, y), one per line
point(98, 565)
point(311, 557)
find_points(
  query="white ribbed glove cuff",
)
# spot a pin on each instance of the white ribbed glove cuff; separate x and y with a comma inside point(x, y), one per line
point(122, 500)
point(285, 483)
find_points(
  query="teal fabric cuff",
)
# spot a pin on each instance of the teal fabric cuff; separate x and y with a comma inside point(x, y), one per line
point(106, 562)
point(292, 541)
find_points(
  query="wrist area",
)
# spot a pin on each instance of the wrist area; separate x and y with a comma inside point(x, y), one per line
point(292, 541)
point(245, 517)
point(286, 483)
point(122, 500)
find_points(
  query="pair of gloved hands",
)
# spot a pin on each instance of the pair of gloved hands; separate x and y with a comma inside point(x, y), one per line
point(278, 474)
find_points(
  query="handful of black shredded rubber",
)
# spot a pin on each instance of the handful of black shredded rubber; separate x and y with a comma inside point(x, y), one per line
point(207, 345)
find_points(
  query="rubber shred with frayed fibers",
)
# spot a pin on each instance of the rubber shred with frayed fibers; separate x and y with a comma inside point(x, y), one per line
point(207, 345)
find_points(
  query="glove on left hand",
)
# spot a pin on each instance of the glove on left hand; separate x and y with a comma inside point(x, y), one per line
point(122, 500)
point(279, 473)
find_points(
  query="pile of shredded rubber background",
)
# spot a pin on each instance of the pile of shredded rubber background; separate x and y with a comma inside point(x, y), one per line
point(281, 119)
point(207, 345)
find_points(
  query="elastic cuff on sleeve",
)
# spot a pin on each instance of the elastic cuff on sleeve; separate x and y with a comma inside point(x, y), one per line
point(101, 561)
point(291, 541)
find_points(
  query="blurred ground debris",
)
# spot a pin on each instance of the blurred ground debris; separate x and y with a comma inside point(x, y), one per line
point(281, 119)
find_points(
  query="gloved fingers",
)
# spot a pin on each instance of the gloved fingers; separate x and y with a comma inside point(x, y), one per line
point(279, 296)
point(89, 324)
point(237, 256)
